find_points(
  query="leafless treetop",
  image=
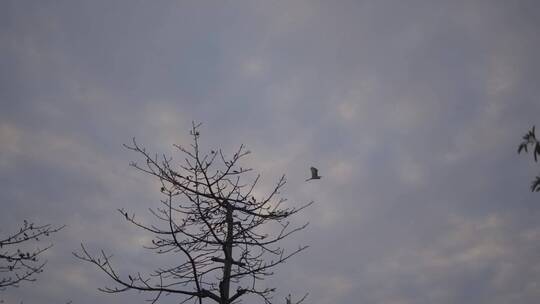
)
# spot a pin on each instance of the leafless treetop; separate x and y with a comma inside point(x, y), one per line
point(228, 237)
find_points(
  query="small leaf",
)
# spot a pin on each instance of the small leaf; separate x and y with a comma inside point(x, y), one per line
point(535, 187)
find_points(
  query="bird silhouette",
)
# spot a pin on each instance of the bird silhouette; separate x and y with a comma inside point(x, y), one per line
point(314, 174)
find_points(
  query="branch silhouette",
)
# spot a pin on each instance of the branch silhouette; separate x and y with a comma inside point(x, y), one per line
point(18, 262)
point(226, 237)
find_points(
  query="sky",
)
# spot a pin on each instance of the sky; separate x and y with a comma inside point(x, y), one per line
point(412, 111)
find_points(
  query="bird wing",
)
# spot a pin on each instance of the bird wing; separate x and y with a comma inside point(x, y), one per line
point(314, 172)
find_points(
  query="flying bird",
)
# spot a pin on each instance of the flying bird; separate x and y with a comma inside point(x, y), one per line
point(314, 174)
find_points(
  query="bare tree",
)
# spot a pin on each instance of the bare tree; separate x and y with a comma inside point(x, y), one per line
point(19, 260)
point(530, 141)
point(225, 236)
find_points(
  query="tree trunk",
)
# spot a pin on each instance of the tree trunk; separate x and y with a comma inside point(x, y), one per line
point(227, 249)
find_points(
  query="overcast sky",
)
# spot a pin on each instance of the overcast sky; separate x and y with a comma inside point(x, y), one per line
point(412, 111)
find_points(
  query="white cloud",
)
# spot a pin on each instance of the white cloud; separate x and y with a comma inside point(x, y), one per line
point(10, 143)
